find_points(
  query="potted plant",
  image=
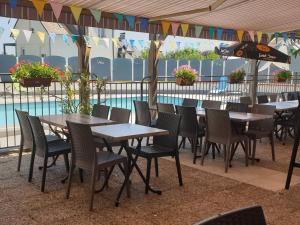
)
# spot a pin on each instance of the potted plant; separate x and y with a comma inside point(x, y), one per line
point(34, 74)
point(237, 76)
point(185, 75)
point(283, 75)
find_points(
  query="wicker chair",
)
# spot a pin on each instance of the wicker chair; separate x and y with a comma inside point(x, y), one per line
point(253, 215)
point(45, 149)
point(273, 97)
point(163, 146)
point(100, 111)
point(246, 100)
point(209, 104)
point(165, 107)
point(218, 125)
point(189, 128)
point(26, 141)
point(85, 156)
point(262, 99)
point(190, 102)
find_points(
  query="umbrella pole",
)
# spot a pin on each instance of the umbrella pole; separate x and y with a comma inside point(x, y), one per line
point(254, 83)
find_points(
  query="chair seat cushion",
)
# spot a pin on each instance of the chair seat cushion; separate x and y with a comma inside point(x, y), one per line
point(154, 151)
point(58, 147)
point(106, 159)
point(51, 137)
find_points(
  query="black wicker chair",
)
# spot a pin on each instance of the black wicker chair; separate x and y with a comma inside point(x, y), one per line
point(45, 149)
point(262, 99)
point(85, 156)
point(163, 146)
point(100, 111)
point(253, 215)
point(209, 104)
point(165, 107)
point(189, 102)
point(190, 129)
point(246, 100)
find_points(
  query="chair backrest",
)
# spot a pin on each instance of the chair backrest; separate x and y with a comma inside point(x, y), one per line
point(273, 97)
point(142, 113)
point(120, 115)
point(292, 96)
point(170, 122)
point(263, 125)
point(100, 111)
point(83, 145)
point(190, 102)
point(165, 107)
point(209, 104)
point(39, 139)
point(26, 133)
point(237, 107)
point(189, 124)
point(262, 99)
point(246, 100)
point(253, 215)
point(218, 126)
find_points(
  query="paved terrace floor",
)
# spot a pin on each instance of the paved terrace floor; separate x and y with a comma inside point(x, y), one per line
point(207, 191)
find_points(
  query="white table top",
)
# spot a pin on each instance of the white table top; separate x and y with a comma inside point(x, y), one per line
point(284, 106)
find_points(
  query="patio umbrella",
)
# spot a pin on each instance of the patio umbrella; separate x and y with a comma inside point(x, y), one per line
point(255, 51)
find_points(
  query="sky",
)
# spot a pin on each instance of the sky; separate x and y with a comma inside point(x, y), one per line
point(200, 44)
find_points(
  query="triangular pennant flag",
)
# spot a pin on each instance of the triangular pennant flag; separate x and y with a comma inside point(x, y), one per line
point(15, 33)
point(144, 23)
point(41, 36)
point(172, 44)
point(175, 27)
point(165, 27)
point(184, 28)
point(276, 34)
point(96, 14)
point(52, 36)
point(211, 31)
point(219, 33)
point(141, 43)
point(178, 43)
point(116, 42)
point(119, 17)
point(292, 34)
point(106, 42)
point(156, 43)
point(131, 42)
point(87, 39)
point(1, 31)
point(229, 34)
point(192, 44)
point(284, 36)
point(96, 40)
point(13, 4)
point(259, 35)
point(240, 34)
point(39, 5)
point(74, 37)
point(27, 34)
point(65, 38)
point(270, 34)
point(131, 21)
point(76, 11)
point(251, 34)
point(56, 7)
point(198, 30)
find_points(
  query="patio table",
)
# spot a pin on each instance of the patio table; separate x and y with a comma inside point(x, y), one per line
point(122, 133)
point(283, 106)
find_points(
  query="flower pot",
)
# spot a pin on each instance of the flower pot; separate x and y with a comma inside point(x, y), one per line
point(281, 80)
point(234, 81)
point(36, 82)
point(184, 82)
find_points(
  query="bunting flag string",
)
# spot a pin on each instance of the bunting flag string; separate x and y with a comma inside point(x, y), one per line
point(144, 23)
point(65, 38)
point(240, 34)
point(87, 39)
point(74, 37)
point(165, 27)
point(96, 40)
point(27, 34)
point(219, 33)
point(52, 36)
point(116, 42)
point(39, 6)
point(172, 44)
point(174, 27)
point(131, 21)
point(13, 4)
point(293, 36)
point(156, 43)
point(119, 17)
point(269, 36)
point(141, 43)
point(131, 42)
point(276, 35)
point(76, 11)
point(198, 30)
point(259, 36)
point(284, 36)
point(41, 35)
point(184, 28)
point(56, 7)
point(15, 33)
point(251, 34)
point(106, 42)
point(211, 31)
point(96, 14)
point(229, 33)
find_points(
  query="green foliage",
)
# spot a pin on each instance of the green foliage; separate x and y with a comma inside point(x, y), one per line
point(36, 69)
point(84, 93)
point(100, 87)
point(68, 102)
point(185, 72)
point(237, 76)
point(283, 75)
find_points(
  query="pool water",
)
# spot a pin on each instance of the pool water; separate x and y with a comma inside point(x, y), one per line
point(9, 118)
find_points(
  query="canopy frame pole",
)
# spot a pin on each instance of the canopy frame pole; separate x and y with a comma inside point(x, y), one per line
point(253, 86)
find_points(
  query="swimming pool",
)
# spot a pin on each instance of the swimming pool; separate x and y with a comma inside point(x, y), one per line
point(8, 116)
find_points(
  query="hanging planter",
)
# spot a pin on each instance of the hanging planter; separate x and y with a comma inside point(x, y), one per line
point(283, 76)
point(237, 77)
point(185, 75)
point(34, 74)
